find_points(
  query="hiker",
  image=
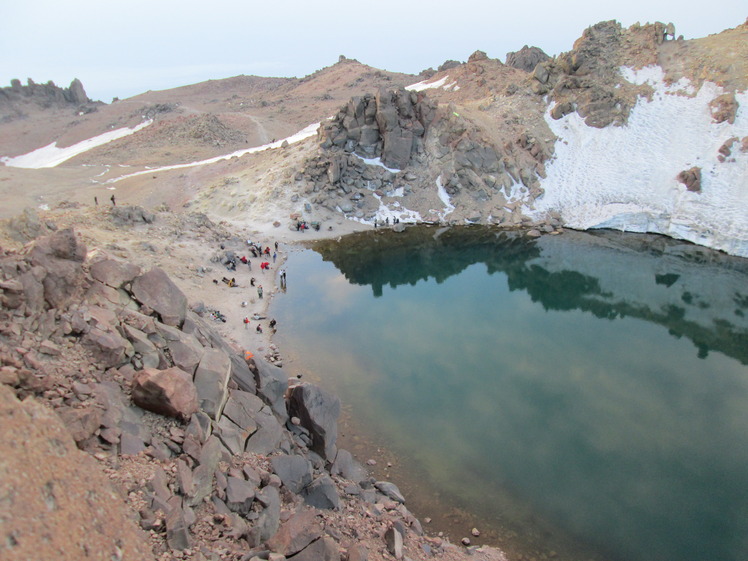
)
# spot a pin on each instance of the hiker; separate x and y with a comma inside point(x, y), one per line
point(272, 323)
point(259, 290)
point(114, 203)
point(252, 281)
point(259, 328)
point(274, 256)
point(246, 322)
point(96, 200)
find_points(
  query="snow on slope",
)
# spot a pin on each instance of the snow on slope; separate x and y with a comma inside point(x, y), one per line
point(50, 156)
point(625, 177)
point(306, 132)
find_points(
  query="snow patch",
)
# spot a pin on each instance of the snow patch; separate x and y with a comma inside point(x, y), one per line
point(306, 132)
point(50, 156)
point(376, 162)
point(425, 85)
point(626, 177)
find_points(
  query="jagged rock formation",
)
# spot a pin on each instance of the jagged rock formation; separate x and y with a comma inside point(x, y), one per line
point(43, 95)
point(527, 58)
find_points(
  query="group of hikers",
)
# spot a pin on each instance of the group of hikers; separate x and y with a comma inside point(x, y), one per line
point(257, 251)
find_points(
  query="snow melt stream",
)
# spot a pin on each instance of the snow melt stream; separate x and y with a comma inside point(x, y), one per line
point(626, 177)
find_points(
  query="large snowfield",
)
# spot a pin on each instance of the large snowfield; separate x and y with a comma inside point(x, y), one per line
point(626, 177)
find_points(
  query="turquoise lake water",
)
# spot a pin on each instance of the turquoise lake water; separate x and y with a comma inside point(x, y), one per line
point(583, 394)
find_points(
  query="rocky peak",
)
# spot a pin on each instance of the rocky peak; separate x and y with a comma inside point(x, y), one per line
point(527, 58)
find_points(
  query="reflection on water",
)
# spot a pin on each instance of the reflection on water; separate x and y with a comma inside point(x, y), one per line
point(593, 383)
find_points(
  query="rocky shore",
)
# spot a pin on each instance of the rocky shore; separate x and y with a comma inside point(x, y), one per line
point(143, 419)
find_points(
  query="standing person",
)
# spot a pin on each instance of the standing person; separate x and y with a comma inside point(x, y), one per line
point(259, 328)
point(259, 290)
point(96, 200)
point(274, 256)
point(246, 322)
point(114, 203)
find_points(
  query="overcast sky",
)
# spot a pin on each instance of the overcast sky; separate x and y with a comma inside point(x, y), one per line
point(125, 48)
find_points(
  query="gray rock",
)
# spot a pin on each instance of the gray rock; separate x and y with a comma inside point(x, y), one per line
point(295, 471)
point(242, 374)
point(322, 494)
point(211, 382)
point(268, 521)
point(272, 384)
point(150, 356)
point(324, 549)
point(394, 541)
point(177, 532)
point(186, 352)
point(158, 292)
point(390, 490)
point(268, 436)
point(239, 495)
point(233, 437)
point(318, 411)
point(242, 408)
point(346, 466)
point(112, 272)
point(202, 476)
point(296, 533)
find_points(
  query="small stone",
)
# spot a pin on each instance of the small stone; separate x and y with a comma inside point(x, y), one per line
point(371, 462)
point(465, 541)
point(475, 532)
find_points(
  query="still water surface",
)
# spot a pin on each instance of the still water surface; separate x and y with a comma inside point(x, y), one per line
point(586, 391)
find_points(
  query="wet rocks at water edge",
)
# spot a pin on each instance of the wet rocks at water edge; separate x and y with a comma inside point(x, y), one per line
point(209, 447)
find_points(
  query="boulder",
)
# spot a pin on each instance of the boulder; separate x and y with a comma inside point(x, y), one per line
point(113, 272)
point(324, 549)
point(239, 495)
point(390, 490)
point(294, 471)
point(296, 533)
point(108, 348)
point(61, 255)
point(272, 384)
point(167, 392)
point(346, 466)
point(318, 411)
point(268, 521)
point(158, 292)
point(211, 382)
point(141, 344)
point(322, 493)
point(691, 178)
point(242, 408)
point(269, 434)
point(394, 541)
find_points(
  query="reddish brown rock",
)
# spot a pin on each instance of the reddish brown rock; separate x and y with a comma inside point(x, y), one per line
point(167, 392)
point(691, 178)
point(57, 503)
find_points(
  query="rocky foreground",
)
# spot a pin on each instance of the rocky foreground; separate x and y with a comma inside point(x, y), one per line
point(130, 428)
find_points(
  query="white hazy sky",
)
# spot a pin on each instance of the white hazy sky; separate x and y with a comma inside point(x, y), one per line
point(125, 48)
